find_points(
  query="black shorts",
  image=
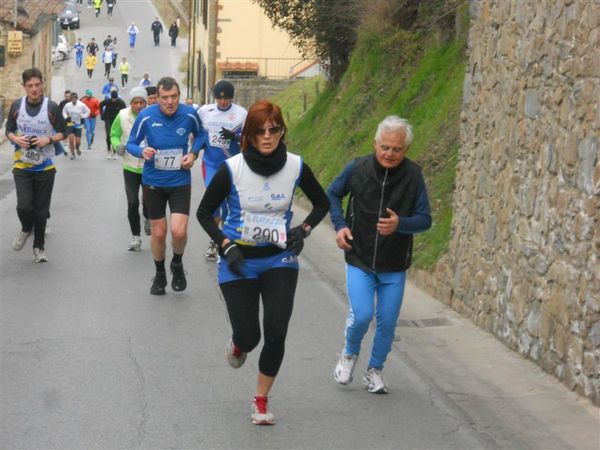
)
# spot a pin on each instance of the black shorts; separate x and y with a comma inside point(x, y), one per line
point(156, 198)
point(75, 131)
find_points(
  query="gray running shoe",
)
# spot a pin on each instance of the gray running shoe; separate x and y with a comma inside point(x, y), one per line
point(211, 253)
point(20, 239)
point(235, 357)
point(147, 227)
point(373, 380)
point(39, 256)
point(136, 244)
point(342, 373)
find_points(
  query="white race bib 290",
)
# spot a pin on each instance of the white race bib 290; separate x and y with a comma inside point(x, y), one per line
point(168, 159)
point(261, 228)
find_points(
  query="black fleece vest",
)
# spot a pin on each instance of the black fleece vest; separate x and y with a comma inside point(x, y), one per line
point(372, 190)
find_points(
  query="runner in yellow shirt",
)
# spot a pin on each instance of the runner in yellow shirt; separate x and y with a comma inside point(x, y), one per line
point(124, 67)
point(90, 63)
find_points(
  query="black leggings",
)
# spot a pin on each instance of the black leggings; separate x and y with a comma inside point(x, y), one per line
point(107, 127)
point(277, 288)
point(133, 182)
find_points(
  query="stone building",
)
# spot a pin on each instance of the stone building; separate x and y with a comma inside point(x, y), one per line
point(524, 260)
point(37, 22)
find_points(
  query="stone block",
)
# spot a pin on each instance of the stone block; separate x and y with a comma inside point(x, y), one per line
point(557, 305)
point(594, 335)
point(569, 153)
point(575, 352)
point(524, 342)
point(584, 227)
point(591, 367)
point(532, 104)
point(588, 156)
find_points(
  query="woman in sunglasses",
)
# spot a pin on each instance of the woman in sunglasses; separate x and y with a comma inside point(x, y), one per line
point(258, 246)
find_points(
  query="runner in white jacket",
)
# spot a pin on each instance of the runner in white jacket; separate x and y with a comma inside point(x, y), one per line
point(75, 112)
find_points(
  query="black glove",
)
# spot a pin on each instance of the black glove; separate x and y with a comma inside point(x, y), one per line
point(295, 240)
point(227, 134)
point(234, 257)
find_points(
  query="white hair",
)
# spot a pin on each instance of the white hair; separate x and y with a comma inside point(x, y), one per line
point(393, 124)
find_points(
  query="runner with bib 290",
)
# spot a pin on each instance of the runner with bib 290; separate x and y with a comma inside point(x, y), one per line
point(259, 248)
point(166, 178)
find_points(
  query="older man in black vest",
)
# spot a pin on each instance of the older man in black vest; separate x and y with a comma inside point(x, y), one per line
point(388, 203)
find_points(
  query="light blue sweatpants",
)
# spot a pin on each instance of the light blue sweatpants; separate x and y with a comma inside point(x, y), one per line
point(362, 287)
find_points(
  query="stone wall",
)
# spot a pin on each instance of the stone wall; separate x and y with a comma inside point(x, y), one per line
point(524, 260)
point(249, 90)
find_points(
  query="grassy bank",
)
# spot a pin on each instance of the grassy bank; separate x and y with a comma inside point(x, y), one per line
point(410, 74)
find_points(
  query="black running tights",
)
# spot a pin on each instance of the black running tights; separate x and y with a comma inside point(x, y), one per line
point(277, 288)
point(133, 183)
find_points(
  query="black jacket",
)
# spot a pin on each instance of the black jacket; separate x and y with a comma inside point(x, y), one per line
point(110, 109)
point(372, 190)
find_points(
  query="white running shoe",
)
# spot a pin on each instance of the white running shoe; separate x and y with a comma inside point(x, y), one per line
point(108, 156)
point(260, 415)
point(235, 357)
point(373, 380)
point(20, 239)
point(39, 256)
point(136, 244)
point(342, 373)
point(147, 227)
point(211, 253)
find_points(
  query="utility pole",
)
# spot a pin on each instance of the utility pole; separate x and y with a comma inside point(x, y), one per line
point(15, 13)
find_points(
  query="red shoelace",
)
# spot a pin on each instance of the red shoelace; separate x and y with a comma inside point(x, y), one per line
point(261, 404)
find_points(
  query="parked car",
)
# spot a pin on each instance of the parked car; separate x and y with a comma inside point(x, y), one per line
point(69, 18)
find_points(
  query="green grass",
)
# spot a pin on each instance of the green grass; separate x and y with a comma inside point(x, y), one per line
point(292, 99)
point(402, 73)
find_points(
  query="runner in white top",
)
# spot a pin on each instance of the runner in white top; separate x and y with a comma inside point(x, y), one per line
point(223, 121)
point(75, 112)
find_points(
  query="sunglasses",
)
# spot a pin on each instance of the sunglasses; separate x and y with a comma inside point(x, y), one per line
point(272, 130)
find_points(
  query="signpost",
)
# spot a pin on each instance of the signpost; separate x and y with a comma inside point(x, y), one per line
point(15, 42)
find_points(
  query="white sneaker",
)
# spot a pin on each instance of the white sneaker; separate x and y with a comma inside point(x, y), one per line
point(136, 244)
point(108, 156)
point(39, 256)
point(20, 239)
point(260, 415)
point(147, 227)
point(211, 253)
point(114, 156)
point(373, 380)
point(342, 373)
point(235, 357)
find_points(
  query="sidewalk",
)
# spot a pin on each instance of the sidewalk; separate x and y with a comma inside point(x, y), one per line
point(473, 372)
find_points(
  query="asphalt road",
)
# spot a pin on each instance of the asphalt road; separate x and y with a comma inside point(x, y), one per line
point(91, 360)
